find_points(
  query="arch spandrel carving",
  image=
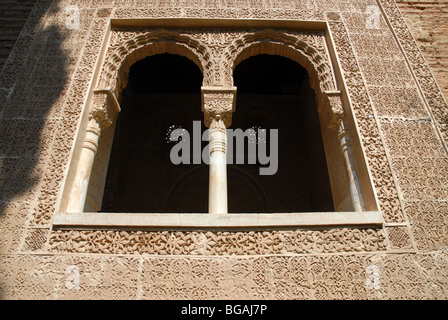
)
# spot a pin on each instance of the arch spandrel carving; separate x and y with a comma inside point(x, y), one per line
point(216, 60)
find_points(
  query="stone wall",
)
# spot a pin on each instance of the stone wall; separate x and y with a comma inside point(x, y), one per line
point(427, 20)
point(397, 106)
point(13, 15)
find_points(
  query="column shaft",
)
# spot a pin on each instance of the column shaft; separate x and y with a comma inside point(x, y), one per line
point(218, 104)
point(218, 172)
point(346, 151)
point(78, 194)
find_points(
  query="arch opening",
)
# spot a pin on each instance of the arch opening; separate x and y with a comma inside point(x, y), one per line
point(274, 93)
point(269, 42)
point(162, 94)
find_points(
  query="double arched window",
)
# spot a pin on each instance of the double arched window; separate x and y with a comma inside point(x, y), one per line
point(170, 94)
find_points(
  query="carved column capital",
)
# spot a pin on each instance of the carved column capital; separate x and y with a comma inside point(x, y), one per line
point(332, 109)
point(105, 107)
point(218, 104)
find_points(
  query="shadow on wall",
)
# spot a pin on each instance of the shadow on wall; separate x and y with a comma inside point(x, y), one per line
point(13, 15)
point(36, 79)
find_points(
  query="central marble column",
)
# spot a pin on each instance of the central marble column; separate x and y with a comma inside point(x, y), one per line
point(218, 170)
point(103, 112)
point(218, 104)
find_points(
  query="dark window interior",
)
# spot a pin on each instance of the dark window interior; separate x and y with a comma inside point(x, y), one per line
point(163, 93)
point(274, 93)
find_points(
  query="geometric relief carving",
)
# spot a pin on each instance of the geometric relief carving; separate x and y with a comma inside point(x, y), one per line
point(421, 179)
point(258, 278)
point(36, 239)
point(217, 242)
point(398, 102)
point(411, 138)
point(368, 43)
point(419, 161)
point(401, 276)
point(236, 9)
point(398, 237)
point(26, 131)
point(414, 276)
point(29, 277)
point(13, 217)
point(385, 72)
point(368, 129)
point(429, 223)
point(420, 68)
point(99, 278)
point(282, 264)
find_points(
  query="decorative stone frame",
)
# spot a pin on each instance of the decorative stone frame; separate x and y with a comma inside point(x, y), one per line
point(295, 40)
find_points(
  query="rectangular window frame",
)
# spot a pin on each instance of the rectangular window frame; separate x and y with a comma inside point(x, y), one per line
point(369, 218)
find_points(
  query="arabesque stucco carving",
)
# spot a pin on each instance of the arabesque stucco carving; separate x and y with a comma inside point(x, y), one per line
point(398, 110)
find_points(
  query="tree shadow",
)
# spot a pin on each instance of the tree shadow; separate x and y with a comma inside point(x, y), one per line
point(36, 77)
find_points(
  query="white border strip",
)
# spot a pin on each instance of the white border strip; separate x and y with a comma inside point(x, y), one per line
point(233, 220)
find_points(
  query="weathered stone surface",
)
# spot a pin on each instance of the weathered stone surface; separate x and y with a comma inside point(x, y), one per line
point(13, 17)
point(393, 99)
point(427, 21)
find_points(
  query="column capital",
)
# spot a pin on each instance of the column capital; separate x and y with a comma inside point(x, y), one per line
point(331, 108)
point(218, 104)
point(105, 107)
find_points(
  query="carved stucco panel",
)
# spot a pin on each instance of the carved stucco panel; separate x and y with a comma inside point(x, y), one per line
point(401, 276)
point(218, 242)
point(369, 132)
point(432, 93)
point(308, 273)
